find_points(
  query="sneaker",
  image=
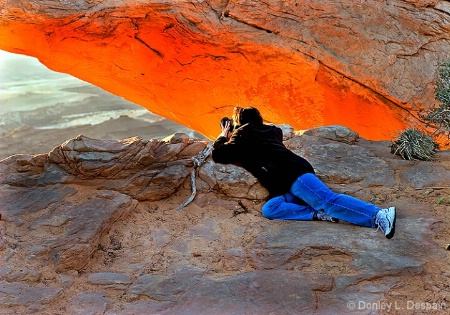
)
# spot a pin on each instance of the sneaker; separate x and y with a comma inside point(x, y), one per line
point(385, 221)
point(322, 216)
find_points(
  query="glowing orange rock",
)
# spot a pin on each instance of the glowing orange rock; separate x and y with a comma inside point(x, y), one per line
point(367, 65)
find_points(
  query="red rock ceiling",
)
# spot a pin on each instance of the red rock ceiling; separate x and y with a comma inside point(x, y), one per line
point(368, 65)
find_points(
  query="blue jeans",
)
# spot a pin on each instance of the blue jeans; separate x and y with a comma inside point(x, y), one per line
point(318, 197)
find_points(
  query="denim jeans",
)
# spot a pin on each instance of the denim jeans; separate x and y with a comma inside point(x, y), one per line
point(318, 197)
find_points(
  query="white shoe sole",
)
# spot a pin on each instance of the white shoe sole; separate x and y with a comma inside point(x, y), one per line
point(392, 231)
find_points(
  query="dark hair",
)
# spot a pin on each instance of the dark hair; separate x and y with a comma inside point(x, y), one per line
point(247, 115)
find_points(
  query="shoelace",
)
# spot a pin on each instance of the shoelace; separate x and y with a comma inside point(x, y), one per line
point(324, 217)
point(382, 222)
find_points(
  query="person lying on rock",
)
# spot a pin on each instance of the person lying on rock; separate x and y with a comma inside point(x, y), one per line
point(295, 192)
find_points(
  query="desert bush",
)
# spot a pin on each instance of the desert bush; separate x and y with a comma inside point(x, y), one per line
point(413, 144)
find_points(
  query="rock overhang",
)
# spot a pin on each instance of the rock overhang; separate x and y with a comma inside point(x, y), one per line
point(307, 65)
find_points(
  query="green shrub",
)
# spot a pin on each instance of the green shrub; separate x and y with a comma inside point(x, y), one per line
point(414, 145)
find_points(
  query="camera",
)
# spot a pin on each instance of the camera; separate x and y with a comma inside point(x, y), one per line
point(224, 120)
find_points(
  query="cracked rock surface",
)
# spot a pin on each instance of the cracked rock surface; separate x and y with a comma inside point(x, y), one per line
point(92, 228)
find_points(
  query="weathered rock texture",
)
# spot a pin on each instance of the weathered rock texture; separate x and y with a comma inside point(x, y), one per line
point(92, 228)
point(368, 65)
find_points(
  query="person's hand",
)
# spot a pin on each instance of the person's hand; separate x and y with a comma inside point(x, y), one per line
point(225, 129)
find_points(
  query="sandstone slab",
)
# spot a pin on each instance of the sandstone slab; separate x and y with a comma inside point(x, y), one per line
point(69, 234)
point(423, 175)
point(277, 292)
point(20, 294)
point(282, 246)
point(19, 201)
point(82, 225)
point(88, 303)
point(109, 278)
point(336, 133)
point(341, 163)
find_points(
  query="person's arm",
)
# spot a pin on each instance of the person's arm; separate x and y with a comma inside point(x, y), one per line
point(226, 150)
point(279, 133)
point(223, 136)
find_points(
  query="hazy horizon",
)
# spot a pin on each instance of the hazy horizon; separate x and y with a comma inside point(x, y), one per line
point(28, 85)
point(41, 108)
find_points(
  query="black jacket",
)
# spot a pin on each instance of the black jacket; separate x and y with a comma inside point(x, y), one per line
point(260, 150)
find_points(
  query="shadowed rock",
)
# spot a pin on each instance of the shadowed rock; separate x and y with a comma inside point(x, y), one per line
point(20, 294)
point(88, 303)
point(252, 293)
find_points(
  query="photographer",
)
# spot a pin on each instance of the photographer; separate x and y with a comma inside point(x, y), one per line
point(295, 192)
